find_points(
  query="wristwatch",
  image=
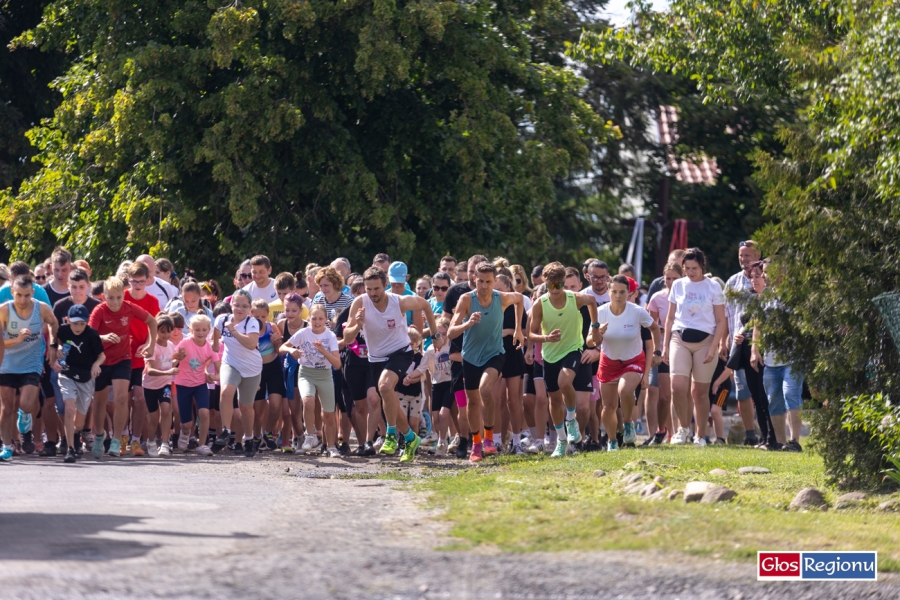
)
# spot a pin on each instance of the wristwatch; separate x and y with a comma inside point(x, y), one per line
point(436, 336)
point(595, 325)
point(657, 353)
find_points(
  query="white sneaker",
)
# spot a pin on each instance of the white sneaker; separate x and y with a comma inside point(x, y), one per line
point(378, 443)
point(333, 453)
point(682, 436)
point(454, 444)
point(183, 441)
point(699, 441)
point(165, 450)
point(310, 442)
point(536, 448)
point(441, 449)
point(152, 451)
point(204, 450)
point(525, 441)
point(431, 438)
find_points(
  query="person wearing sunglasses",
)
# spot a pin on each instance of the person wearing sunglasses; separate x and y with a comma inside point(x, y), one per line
point(40, 274)
point(242, 277)
point(556, 324)
point(21, 268)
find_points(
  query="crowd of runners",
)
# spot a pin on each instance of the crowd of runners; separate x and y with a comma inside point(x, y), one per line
point(482, 357)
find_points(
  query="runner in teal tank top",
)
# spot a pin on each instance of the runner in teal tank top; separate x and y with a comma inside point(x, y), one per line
point(479, 319)
point(21, 321)
point(556, 324)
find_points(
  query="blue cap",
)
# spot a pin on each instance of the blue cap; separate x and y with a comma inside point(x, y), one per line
point(78, 313)
point(397, 272)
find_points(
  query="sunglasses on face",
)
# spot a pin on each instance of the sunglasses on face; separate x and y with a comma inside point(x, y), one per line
point(518, 281)
point(246, 276)
point(555, 286)
point(306, 295)
point(40, 277)
point(747, 244)
point(440, 288)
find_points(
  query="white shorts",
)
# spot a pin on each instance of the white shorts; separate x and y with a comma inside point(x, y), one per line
point(411, 406)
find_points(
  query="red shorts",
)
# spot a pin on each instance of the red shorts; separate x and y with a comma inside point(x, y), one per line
point(611, 370)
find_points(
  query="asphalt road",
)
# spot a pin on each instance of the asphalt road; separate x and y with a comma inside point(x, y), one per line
point(228, 527)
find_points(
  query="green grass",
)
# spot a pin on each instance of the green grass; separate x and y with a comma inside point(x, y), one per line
point(534, 503)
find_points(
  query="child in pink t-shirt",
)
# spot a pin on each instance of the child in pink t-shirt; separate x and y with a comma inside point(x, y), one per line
point(191, 380)
point(157, 384)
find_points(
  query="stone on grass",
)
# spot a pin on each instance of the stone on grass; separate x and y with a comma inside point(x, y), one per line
point(634, 478)
point(599, 473)
point(754, 471)
point(673, 495)
point(719, 472)
point(660, 494)
point(810, 498)
point(719, 493)
point(634, 488)
point(851, 500)
point(694, 490)
point(890, 506)
point(650, 489)
point(660, 480)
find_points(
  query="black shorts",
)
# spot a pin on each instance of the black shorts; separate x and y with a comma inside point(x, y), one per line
point(341, 393)
point(664, 369)
point(398, 363)
point(572, 361)
point(272, 381)
point(358, 380)
point(215, 396)
point(137, 378)
point(514, 365)
point(584, 378)
point(441, 395)
point(456, 376)
point(19, 380)
point(472, 374)
point(120, 370)
point(155, 397)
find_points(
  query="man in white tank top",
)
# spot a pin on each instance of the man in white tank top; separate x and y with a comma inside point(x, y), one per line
point(382, 317)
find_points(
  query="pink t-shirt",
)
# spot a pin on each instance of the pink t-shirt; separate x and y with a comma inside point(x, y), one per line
point(660, 303)
point(161, 361)
point(192, 369)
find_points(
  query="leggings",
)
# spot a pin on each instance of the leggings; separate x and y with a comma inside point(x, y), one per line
point(761, 402)
point(186, 398)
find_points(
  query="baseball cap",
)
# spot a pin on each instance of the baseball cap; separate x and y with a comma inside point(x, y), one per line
point(78, 313)
point(632, 285)
point(397, 272)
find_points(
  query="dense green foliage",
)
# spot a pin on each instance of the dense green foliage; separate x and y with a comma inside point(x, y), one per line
point(827, 75)
point(301, 129)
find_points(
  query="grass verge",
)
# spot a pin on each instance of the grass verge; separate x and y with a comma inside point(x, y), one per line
point(533, 503)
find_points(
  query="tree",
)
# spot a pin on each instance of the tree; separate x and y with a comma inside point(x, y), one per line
point(301, 129)
point(827, 73)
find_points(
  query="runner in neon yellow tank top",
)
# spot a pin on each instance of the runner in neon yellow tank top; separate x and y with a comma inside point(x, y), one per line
point(556, 324)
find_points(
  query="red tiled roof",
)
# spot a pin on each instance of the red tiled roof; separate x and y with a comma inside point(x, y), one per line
point(699, 170)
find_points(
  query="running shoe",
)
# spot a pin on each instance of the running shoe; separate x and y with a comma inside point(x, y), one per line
point(49, 450)
point(123, 448)
point(612, 446)
point(115, 447)
point(310, 442)
point(700, 441)
point(204, 450)
point(24, 422)
point(71, 456)
point(87, 436)
point(256, 444)
point(773, 447)
point(573, 432)
point(682, 436)
point(369, 449)
point(193, 444)
point(152, 449)
point(648, 442)
point(249, 449)
point(477, 453)
point(344, 449)
point(620, 437)
point(183, 441)
point(221, 441)
point(750, 438)
point(378, 443)
point(237, 447)
point(659, 437)
point(489, 448)
point(462, 450)
point(517, 450)
point(79, 449)
point(409, 453)
point(97, 449)
point(629, 436)
point(333, 452)
point(390, 445)
point(719, 442)
point(271, 444)
point(136, 449)
point(454, 443)
point(63, 446)
point(289, 449)
point(441, 449)
point(536, 448)
point(571, 449)
point(28, 442)
point(6, 453)
point(560, 450)
point(792, 446)
point(165, 450)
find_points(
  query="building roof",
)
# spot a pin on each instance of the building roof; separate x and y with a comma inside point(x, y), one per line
point(701, 169)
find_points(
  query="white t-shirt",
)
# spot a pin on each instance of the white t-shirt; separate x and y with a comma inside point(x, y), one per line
point(622, 340)
point(660, 303)
point(438, 362)
point(600, 298)
point(267, 293)
point(694, 302)
point(247, 361)
point(162, 290)
point(311, 357)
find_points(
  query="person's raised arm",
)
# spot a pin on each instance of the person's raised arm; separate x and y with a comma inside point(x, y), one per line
point(457, 327)
point(517, 300)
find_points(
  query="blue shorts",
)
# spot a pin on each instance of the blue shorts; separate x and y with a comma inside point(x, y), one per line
point(187, 396)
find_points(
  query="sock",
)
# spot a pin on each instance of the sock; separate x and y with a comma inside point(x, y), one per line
point(559, 430)
point(570, 414)
point(247, 439)
point(410, 435)
point(489, 433)
point(476, 438)
point(533, 431)
point(392, 430)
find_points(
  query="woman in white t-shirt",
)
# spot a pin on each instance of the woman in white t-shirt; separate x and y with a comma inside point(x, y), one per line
point(316, 350)
point(622, 359)
point(694, 326)
point(658, 406)
point(241, 367)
